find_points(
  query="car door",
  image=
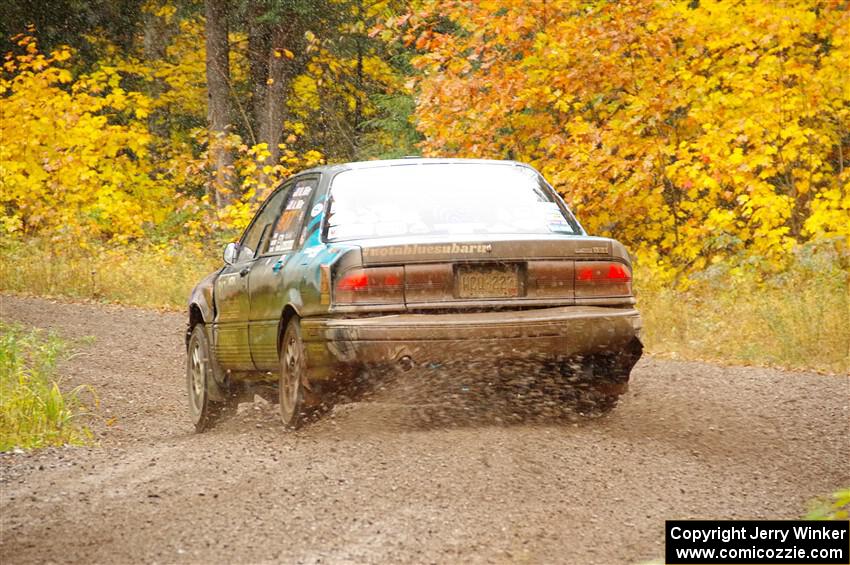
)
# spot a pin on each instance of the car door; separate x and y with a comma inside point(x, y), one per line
point(231, 292)
point(268, 282)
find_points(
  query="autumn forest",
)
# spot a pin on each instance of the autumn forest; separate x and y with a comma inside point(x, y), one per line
point(712, 137)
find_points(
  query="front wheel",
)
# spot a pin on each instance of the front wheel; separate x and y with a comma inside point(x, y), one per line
point(293, 367)
point(204, 411)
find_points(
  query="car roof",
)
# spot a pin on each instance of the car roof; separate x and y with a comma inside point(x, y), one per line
point(406, 161)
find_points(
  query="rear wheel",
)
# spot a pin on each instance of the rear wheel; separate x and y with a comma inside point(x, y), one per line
point(293, 367)
point(200, 367)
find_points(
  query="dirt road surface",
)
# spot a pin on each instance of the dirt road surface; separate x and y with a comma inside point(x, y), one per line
point(371, 484)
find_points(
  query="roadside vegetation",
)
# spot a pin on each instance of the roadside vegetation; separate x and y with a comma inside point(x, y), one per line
point(794, 318)
point(153, 276)
point(834, 507)
point(35, 411)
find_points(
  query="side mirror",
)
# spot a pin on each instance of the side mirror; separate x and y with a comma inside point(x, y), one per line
point(231, 251)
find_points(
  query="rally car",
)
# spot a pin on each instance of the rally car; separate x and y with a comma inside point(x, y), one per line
point(402, 263)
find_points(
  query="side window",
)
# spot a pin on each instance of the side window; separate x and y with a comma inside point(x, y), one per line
point(282, 236)
point(254, 235)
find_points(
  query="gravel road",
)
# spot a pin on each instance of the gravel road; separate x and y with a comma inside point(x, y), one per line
point(371, 483)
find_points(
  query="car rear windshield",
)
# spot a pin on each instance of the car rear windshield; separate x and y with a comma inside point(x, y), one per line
point(443, 199)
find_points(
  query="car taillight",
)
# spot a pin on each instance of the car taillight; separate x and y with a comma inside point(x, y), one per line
point(375, 285)
point(602, 278)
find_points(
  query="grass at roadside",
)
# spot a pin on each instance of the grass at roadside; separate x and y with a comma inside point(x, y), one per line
point(156, 276)
point(34, 411)
point(798, 318)
point(833, 507)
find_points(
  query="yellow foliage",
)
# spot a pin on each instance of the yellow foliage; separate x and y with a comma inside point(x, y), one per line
point(74, 161)
point(79, 161)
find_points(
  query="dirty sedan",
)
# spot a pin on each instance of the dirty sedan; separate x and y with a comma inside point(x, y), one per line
point(405, 263)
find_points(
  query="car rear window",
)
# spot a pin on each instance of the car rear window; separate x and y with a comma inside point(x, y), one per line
point(443, 199)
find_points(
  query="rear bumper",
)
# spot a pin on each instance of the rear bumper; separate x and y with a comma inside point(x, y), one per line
point(546, 334)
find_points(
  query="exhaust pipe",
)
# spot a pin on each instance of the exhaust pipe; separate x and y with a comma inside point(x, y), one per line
point(406, 363)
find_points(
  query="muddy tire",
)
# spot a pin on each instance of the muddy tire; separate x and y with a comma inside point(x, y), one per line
point(293, 367)
point(200, 367)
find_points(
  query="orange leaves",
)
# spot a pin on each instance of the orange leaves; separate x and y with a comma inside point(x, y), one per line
point(691, 133)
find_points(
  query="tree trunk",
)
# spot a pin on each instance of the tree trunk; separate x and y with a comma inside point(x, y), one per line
point(259, 43)
point(276, 92)
point(272, 72)
point(274, 110)
point(357, 125)
point(157, 36)
point(222, 187)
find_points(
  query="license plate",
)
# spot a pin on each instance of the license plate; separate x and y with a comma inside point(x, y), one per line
point(487, 282)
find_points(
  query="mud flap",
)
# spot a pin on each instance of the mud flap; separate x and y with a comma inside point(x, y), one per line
point(217, 387)
point(628, 358)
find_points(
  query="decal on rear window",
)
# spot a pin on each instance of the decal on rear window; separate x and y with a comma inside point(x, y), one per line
point(284, 232)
